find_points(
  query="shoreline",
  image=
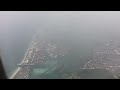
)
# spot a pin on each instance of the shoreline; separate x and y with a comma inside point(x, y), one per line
point(27, 51)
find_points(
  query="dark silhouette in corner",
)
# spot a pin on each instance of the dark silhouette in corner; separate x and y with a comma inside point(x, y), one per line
point(2, 71)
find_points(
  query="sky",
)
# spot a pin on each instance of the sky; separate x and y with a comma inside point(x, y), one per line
point(15, 25)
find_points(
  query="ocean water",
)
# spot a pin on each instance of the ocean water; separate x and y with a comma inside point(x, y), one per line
point(81, 32)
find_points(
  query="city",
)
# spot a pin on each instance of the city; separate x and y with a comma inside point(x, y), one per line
point(42, 58)
point(37, 55)
point(107, 57)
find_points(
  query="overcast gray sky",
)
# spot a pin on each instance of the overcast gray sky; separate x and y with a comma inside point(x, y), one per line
point(44, 18)
point(15, 25)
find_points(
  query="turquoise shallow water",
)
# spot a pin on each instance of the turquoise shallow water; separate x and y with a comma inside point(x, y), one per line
point(79, 45)
point(81, 32)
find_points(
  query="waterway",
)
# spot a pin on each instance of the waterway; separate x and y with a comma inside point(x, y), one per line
point(81, 32)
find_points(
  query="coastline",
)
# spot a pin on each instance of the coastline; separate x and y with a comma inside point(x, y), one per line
point(18, 68)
